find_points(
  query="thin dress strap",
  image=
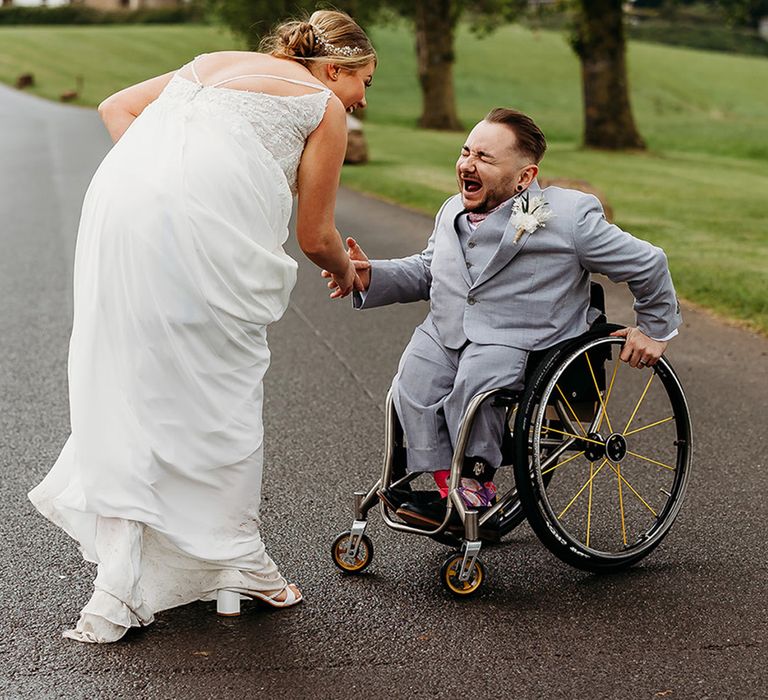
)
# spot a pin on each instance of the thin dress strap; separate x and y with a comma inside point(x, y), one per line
point(194, 72)
point(275, 77)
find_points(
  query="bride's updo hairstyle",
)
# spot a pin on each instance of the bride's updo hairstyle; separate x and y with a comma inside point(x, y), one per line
point(327, 36)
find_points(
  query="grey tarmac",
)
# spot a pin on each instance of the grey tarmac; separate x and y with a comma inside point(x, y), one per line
point(688, 622)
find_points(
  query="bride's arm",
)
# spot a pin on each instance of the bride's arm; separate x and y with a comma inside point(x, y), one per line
point(119, 110)
point(318, 181)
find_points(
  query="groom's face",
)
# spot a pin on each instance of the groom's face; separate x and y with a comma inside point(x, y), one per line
point(488, 167)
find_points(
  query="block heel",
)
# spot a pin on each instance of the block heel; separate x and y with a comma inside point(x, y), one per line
point(227, 603)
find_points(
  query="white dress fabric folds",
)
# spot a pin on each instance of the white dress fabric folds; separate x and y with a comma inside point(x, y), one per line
point(179, 269)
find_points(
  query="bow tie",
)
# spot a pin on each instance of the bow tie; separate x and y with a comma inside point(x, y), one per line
point(477, 217)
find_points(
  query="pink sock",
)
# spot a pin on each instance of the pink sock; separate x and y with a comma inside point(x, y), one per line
point(441, 479)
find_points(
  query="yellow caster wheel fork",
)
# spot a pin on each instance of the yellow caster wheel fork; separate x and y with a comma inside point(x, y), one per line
point(463, 573)
point(352, 550)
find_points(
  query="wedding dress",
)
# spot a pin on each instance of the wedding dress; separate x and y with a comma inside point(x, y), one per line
point(179, 269)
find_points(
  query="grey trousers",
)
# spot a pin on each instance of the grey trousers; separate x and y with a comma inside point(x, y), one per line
point(433, 387)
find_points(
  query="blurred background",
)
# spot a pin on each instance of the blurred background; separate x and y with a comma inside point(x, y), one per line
point(658, 106)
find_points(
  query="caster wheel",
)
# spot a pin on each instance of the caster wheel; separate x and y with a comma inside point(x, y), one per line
point(346, 563)
point(449, 576)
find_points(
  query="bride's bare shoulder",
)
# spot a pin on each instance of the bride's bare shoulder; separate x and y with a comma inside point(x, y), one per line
point(245, 60)
point(224, 63)
point(216, 60)
point(228, 55)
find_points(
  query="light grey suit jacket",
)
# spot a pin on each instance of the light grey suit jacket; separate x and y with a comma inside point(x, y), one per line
point(533, 293)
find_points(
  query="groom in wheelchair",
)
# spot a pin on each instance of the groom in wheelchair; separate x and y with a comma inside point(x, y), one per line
point(507, 273)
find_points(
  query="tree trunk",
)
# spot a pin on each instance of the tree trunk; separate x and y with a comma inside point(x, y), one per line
point(599, 43)
point(435, 27)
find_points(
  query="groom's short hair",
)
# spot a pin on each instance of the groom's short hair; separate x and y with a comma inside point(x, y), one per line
point(530, 139)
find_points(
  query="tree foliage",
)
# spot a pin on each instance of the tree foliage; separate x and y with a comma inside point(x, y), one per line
point(747, 13)
point(253, 19)
point(483, 15)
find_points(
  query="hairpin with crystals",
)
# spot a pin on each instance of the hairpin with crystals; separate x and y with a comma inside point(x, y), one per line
point(331, 49)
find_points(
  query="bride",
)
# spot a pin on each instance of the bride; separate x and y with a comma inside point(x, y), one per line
point(179, 269)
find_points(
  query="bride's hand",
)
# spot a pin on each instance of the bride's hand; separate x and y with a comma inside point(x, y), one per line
point(342, 286)
point(362, 266)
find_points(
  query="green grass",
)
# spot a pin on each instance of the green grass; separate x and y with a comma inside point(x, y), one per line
point(682, 99)
point(108, 57)
point(699, 192)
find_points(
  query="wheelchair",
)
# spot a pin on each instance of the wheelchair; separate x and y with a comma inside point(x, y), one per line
point(601, 455)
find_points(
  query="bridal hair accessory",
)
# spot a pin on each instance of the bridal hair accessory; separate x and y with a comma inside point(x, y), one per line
point(333, 50)
point(528, 215)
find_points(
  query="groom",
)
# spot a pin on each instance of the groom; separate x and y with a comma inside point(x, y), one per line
point(506, 271)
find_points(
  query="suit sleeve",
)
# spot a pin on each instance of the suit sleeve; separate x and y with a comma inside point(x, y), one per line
point(606, 249)
point(401, 280)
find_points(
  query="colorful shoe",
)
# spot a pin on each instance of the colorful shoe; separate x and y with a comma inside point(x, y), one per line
point(476, 494)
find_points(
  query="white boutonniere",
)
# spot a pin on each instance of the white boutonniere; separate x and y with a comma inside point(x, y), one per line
point(529, 214)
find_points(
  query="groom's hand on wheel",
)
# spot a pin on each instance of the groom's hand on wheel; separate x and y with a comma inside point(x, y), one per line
point(639, 350)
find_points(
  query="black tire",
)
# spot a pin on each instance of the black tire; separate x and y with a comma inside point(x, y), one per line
point(364, 556)
point(614, 532)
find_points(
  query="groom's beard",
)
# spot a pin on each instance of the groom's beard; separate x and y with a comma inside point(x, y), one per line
point(494, 195)
point(490, 202)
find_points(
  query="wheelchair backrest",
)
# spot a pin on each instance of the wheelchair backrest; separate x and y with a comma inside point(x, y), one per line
point(576, 382)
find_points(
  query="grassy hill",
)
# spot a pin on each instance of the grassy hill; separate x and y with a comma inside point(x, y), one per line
point(109, 57)
point(699, 192)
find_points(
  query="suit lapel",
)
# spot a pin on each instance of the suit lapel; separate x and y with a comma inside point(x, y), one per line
point(458, 253)
point(507, 249)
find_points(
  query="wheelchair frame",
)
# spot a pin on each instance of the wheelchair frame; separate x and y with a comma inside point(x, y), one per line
point(463, 572)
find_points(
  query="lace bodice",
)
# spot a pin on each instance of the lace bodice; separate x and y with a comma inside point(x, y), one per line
point(281, 123)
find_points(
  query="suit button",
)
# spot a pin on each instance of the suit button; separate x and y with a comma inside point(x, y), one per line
point(471, 300)
point(471, 244)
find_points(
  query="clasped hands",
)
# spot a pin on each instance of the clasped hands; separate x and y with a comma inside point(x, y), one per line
point(357, 276)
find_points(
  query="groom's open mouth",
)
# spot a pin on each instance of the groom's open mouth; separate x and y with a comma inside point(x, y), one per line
point(470, 185)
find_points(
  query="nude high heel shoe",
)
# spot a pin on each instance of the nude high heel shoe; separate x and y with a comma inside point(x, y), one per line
point(228, 602)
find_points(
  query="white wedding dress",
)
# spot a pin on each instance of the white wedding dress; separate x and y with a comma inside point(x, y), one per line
point(179, 268)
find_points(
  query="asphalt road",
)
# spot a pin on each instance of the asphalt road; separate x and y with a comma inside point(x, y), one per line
point(688, 622)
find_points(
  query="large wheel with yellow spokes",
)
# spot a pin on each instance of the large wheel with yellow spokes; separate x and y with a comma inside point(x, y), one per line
point(602, 453)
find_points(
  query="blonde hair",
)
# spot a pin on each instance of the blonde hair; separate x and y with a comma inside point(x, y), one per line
point(328, 36)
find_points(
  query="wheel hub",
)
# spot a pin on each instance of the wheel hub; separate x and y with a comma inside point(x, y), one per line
point(616, 447)
point(592, 450)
